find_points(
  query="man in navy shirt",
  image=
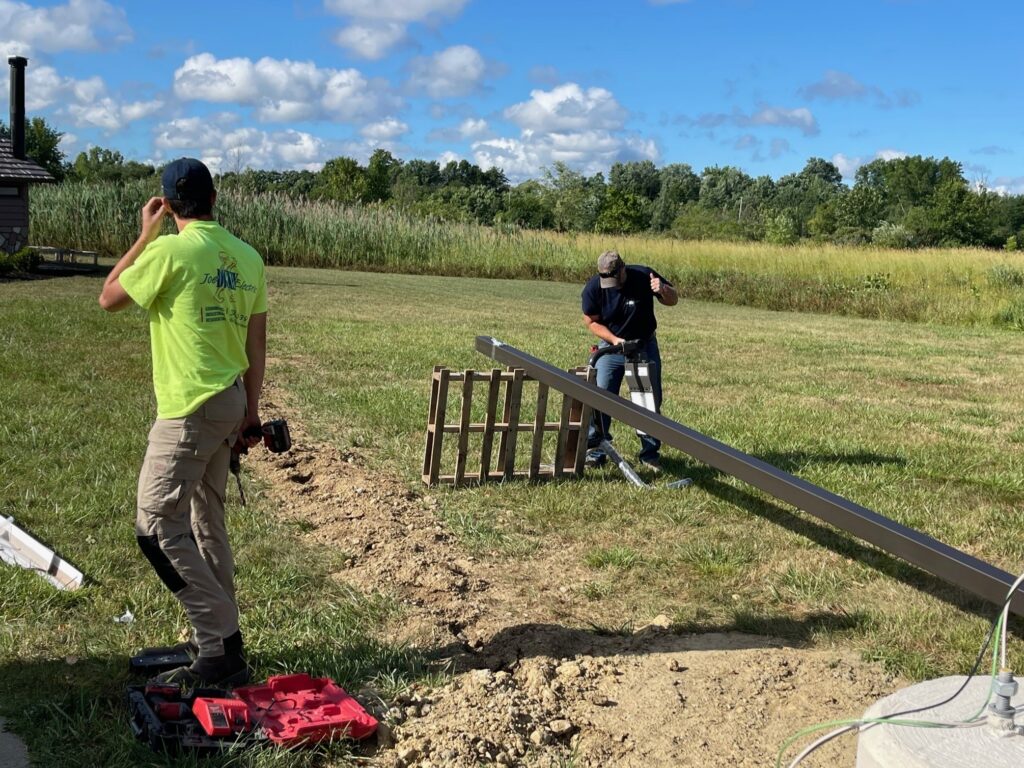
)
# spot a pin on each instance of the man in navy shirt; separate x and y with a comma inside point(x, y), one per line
point(618, 305)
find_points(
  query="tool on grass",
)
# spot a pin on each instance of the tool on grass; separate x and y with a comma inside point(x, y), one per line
point(291, 711)
point(641, 392)
point(276, 437)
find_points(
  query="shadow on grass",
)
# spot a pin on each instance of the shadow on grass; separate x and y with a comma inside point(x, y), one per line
point(707, 479)
point(76, 714)
point(746, 631)
point(794, 461)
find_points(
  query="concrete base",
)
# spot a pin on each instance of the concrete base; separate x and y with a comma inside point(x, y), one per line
point(894, 746)
point(13, 753)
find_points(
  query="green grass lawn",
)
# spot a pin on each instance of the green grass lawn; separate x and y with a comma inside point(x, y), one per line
point(920, 423)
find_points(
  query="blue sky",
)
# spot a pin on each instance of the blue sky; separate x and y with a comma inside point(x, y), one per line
point(760, 84)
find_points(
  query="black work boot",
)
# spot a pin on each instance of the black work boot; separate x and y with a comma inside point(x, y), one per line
point(224, 671)
point(184, 647)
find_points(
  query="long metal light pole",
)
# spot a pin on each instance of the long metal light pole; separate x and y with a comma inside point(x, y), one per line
point(942, 560)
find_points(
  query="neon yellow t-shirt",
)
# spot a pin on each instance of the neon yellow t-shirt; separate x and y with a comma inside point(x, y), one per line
point(200, 286)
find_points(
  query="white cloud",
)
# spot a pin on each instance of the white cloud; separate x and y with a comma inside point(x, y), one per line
point(379, 25)
point(473, 128)
point(583, 128)
point(350, 97)
point(395, 10)
point(890, 154)
point(799, 117)
point(385, 130)
point(586, 151)
point(78, 25)
point(835, 86)
point(568, 107)
point(282, 90)
point(16, 48)
point(372, 40)
point(68, 143)
point(448, 157)
point(848, 165)
point(85, 102)
point(108, 114)
point(1008, 185)
point(842, 86)
point(44, 86)
point(224, 147)
point(455, 71)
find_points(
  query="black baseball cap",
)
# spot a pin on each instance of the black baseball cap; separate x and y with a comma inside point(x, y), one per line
point(187, 179)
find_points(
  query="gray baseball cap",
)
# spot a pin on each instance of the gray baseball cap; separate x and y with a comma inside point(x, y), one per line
point(609, 265)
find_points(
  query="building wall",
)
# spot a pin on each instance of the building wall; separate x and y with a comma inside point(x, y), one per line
point(14, 219)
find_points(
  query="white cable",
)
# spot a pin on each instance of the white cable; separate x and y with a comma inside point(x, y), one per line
point(865, 725)
point(819, 742)
point(1006, 618)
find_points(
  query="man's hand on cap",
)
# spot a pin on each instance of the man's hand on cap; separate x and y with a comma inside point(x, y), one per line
point(152, 218)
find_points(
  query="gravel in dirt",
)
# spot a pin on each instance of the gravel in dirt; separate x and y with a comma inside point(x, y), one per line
point(529, 684)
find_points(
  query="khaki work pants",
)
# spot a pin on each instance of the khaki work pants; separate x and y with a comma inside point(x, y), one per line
point(180, 513)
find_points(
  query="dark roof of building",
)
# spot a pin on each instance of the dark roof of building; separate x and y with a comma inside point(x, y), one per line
point(12, 169)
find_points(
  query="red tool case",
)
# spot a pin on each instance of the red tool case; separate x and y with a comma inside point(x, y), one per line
point(289, 710)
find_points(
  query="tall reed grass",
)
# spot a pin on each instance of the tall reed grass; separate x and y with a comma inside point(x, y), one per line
point(963, 286)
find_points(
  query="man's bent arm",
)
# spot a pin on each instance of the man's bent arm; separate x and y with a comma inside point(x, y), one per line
point(256, 351)
point(114, 297)
point(669, 296)
point(593, 323)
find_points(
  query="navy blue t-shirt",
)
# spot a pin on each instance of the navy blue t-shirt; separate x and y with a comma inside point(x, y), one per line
point(628, 312)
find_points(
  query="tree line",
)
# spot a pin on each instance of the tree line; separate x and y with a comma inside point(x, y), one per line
point(905, 202)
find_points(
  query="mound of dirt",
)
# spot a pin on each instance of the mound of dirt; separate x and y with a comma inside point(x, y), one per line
point(528, 685)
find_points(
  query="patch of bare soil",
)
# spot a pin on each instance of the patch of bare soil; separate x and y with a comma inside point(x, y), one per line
point(529, 686)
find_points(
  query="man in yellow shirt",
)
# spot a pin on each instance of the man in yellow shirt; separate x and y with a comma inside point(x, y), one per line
point(206, 294)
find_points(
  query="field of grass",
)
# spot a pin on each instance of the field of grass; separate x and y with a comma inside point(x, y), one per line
point(919, 422)
point(955, 287)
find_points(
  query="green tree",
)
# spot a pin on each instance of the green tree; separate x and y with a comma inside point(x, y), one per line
point(577, 199)
point(722, 189)
point(381, 173)
point(679, 185)
point(908, 182)
point(529, 205)
point(800, 195)
point(341, 179)
point(42, 146)
point(623, 212)
point(98, 164)
point(640, 178)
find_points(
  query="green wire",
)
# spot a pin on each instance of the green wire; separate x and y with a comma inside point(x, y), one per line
point(891, 721)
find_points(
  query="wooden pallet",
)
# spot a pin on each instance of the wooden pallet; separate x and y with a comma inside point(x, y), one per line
point(504, 388)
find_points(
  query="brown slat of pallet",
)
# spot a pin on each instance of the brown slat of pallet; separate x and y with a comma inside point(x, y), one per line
point(539, 427)
point(515, 396)
point(563, 435)
point(467, 404)
point(586, 414)
point(572, 442)
point(482, 376)
point(494, 387)
point(500, 426)
point(438, 434)
point(472, 477)
point(431, 425)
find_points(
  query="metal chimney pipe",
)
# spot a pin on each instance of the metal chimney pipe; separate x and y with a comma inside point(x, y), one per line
point(18, 64)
